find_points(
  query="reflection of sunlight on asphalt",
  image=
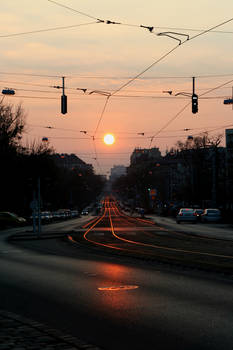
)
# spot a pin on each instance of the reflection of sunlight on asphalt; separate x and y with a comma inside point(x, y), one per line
point(117, 292)
point(117, 288)
point(114, 271)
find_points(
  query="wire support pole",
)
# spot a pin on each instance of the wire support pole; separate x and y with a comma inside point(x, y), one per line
point(63, 86)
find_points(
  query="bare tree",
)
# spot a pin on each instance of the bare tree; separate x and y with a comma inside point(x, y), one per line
point(37, 148)
point(12, 124)
point(200, 141)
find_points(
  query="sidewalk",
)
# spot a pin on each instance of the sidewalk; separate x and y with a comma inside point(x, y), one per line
point(209, 230)
point(19, 333)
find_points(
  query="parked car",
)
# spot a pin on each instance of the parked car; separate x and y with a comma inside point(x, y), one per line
point(46, 216)
point(63, 214)
point(11, 219)
point(211, 215)
point(198, 212)
point(186, 215)
point(74, 213)
point(56, 215)
point(85, 212)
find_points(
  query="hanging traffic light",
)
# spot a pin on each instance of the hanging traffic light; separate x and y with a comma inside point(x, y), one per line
point(63, 98)
point(194, 99)
point(63, 104)
point(194, 103)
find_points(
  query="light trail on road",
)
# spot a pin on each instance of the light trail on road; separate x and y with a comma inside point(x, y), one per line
point(113, 227)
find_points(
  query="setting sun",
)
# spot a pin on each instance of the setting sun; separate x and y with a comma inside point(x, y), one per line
point(109, 139)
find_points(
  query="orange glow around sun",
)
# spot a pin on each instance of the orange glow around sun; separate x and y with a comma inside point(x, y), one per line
point(109, 139)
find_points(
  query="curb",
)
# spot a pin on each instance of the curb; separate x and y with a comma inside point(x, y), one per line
point(34, 236)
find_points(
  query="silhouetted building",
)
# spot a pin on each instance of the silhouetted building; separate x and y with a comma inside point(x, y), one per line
point(71, 161)
point(117, 171)
point(144, 154)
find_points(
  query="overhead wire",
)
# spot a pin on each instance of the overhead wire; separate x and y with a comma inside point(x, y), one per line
point(216, 88)
point(124, 138)
point(152, 65)
point(168, 123)
point(33, 75)
point(118, 96)
point(96, 156)
point(132, 132)
point(212, 28)
point(184, 108)
point(101, 115)
point(146, 69)
point(150, 28)
point(215, 129)
point(168, 53)
point(97, 20)
point(72, 9)
point(72, 75)
point(151, 77)
point(46, 30)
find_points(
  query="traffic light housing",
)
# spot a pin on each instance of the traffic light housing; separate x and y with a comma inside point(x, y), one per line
point(63, 104)
point(194, 103)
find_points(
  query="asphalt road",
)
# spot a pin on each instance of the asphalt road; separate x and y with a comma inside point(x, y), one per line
point(115, 302)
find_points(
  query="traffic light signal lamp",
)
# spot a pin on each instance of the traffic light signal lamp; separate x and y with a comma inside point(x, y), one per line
point(194, 103)
point(63, 98)
point(194, 99)
point(63, 104)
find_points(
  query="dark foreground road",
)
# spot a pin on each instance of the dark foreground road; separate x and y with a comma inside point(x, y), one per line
point(115, 302)
point(109, 285)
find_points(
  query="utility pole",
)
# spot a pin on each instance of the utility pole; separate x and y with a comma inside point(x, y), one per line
point(214, 177)
point(34, 212)
point(39, 209)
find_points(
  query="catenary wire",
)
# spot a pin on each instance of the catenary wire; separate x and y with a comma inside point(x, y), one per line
point(101, 115)
point(118, 97)
point(183, 109)
point(168, 53)
point(152, 65)
point(46, 30)
point(150, 28)
point(133, 132)
point(72, 9)
point(168, 123)
point(149, 66)
point(72, 75)
point(33, 75)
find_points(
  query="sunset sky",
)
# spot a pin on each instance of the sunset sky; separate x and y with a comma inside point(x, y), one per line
point(42, 41)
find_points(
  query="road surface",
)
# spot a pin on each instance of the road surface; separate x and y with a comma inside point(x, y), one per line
point(115, 301)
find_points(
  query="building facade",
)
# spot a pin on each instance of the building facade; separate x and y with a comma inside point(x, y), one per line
point(117, 171)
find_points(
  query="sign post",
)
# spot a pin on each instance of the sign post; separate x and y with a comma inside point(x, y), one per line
point(34, 207)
